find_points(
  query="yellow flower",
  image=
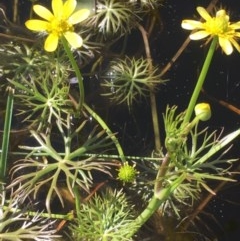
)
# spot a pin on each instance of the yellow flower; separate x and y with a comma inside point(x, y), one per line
point(58, 23)
point(203, 111)
point(215, 26)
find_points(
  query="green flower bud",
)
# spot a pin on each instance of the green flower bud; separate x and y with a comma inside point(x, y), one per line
point(203, 111)
point(127, 173)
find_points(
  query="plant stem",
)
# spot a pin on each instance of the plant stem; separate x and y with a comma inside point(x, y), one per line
point(163, 168)
point(152, 94)
point(200, 81)
point(68, 216)
point(219, 144)
point(6, 134)
point(157, 200)
point(77, 202)
point(106, 156)
point(153, 205)
point(77, 72)
point(103, 124)
point(108, 131)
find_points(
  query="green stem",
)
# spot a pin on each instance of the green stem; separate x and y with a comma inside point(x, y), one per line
point(163, 168)
point(155, 122)
point(6, 134)
point(77, 72)
point(106, 156)
point(200, 81)
point(219, 144)
point(108, 131)
point(68, 216)
point(77, 202)
point(157, 200)
point(153, 205)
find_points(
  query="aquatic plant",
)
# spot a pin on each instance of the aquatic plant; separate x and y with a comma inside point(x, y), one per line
point(127, 80)
point(69, 176)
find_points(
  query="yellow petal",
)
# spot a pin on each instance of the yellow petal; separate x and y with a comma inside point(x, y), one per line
point(235, 25)
point(235, 44)
point(73, 39)
point(226, 45)
point(42, 12)
point(191, 24)
point(199, 35)
point(51, 43)
point(57, 7)
point(68, 8)
point(203, 13)
point(222, 13)
point(37, 25)
point(79, 16)
point(237, 34)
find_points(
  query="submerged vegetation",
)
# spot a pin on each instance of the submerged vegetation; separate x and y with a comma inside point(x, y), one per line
point(68, 177)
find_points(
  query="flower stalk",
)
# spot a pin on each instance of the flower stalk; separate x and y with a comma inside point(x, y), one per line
point(77, 72)
point(108, 131)
point(200, 81)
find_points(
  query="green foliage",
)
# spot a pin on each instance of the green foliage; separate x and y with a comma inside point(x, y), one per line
point(44, 167)
point(176, 134)
point(68, 143)
point(108, 217)
point(113, 17)
point(129, 79)
point(16, 225)
point(42, 99)
point(20, 60)
point(192, 160)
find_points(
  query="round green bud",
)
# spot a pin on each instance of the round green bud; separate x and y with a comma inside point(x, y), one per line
point(127, 173)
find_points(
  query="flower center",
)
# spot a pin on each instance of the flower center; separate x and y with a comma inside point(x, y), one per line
point(59, 26)
point(218, 25)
